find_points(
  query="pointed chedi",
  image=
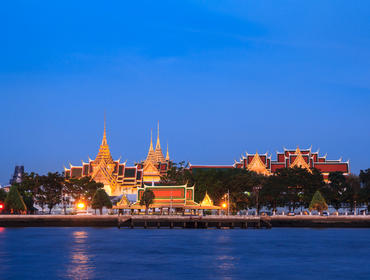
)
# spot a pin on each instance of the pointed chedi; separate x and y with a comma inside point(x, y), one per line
point(158, 150)
point(151, 154)
point(167, 154)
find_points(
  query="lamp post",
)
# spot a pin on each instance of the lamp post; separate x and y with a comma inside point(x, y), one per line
point(257, 190)
point(228, 202)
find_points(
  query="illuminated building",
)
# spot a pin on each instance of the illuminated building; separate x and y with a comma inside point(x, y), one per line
point(263, 163)
point(117, 177)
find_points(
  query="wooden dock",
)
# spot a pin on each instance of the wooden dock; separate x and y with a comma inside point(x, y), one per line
point(192, 222)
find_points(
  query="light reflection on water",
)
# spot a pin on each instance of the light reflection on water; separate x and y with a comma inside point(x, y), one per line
point(225, 261)
point(80, 263)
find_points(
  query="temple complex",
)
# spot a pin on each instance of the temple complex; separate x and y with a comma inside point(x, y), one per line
point(117, 177)
point(263, 164)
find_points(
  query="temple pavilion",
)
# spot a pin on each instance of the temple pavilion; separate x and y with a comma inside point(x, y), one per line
point(176, 198)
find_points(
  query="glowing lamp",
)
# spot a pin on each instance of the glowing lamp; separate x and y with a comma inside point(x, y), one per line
point(1, 206)
point(81, 205)
point(224, 205)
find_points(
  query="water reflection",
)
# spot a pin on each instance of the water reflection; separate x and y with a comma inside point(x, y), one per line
point(80, 266)
point(225, 261)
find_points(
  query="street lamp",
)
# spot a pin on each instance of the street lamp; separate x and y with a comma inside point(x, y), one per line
point(81, 205)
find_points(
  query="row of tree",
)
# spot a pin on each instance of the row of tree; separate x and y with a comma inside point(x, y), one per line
point(52, 189)
point(288, 187)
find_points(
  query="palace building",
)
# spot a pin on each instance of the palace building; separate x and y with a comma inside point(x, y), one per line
point(263, 163)
point(117, 177)
point(177, 198)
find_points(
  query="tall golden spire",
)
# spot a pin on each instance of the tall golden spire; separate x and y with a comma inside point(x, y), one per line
point(158, 146)
point(167, 154)
point(104, 152)
point(151, 153)
point(151, 140)
point(158, 150)
point(104, 142)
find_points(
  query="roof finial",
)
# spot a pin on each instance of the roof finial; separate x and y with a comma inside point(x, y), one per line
point(168, 154)
point(151, 140)
point(104, 142)
point(158, 146)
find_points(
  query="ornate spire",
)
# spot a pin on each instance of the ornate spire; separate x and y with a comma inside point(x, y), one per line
point(104, 142)
point(151, 141)
point(158, 146)
point(167, 154)
point(151, 154)
point(104, 152)
point(158, 150)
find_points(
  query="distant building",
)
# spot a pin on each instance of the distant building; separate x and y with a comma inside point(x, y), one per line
point(18, 174)
point(263, 164)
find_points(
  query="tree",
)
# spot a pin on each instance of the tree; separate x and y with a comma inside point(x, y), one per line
point(178, 174)
point(51, 189)
point(14, 202)
point(335, 189)
point(147, 198)
point(82, 189)
point(100, 200)
point(272, 193)
point(353, 191)
point(318, 202)
point(3, 195)
point(365, 190)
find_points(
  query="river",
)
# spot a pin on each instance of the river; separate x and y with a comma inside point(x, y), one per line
point(110, 253)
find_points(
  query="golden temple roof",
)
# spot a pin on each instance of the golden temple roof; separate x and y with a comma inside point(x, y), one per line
point(150, 169)
point(123, 202)
point(299, 161)
point(207, 201)
point(257, 165)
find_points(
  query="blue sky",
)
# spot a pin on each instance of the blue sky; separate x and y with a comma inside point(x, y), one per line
point(222, 77)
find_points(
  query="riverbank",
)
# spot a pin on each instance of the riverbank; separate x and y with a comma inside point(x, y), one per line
point(359, 221)
point(152, 221)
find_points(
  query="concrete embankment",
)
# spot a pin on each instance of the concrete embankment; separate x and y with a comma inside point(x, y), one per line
point(135, 221)
point(154, 221)
point(321, 221)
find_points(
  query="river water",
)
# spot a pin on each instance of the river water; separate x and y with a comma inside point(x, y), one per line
point(110, 253)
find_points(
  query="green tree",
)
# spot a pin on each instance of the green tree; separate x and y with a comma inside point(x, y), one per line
point(335, 190)
point(82, 189)
point(51, 189)
point(100, 200)
point(365, 190)
point(147, 198)
point(272, 193)
point(178, 174)
point(353, 191)
point(3, 195)
point(318, 202)
point(14, 201)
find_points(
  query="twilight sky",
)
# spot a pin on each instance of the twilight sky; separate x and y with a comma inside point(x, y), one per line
point(222, 77)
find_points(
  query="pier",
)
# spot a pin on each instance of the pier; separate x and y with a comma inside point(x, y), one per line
point(184, 222)
point(193, 222)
